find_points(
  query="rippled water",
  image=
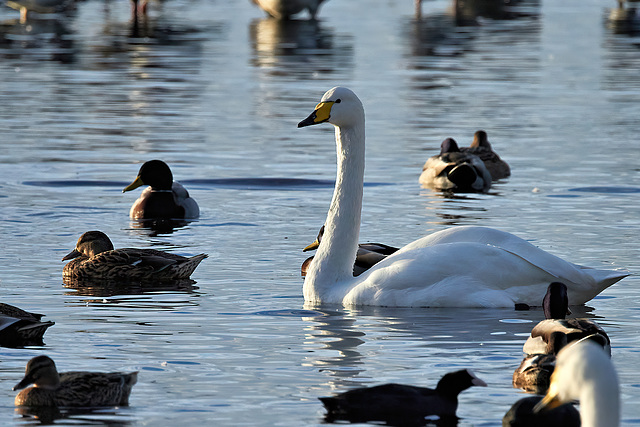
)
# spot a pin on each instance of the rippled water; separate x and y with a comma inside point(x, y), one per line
point(216, 90)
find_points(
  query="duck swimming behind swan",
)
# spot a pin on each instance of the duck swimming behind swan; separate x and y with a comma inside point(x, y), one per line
point(458, 267)
point(368, 255)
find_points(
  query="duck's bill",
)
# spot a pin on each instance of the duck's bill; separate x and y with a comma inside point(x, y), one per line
point(22, 384)
point(135, 184)
point(71, 255)
point(312, 246)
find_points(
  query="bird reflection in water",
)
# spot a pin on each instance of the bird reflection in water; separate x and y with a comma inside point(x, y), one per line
point(298, 49)
point(79, 416)
point(109, 288)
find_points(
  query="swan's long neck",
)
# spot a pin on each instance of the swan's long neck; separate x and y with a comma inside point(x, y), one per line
point(331, 272)
point(599, 405)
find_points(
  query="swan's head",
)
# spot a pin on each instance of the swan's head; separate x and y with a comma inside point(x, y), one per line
point(339, 106)
point(582, 367)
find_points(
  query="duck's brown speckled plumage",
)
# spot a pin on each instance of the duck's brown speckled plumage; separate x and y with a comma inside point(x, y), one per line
point(481, 147)
point(95, 258)
point(20, 328)
point(76, 389)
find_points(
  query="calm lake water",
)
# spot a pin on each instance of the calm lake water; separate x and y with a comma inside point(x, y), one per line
point(216, 90)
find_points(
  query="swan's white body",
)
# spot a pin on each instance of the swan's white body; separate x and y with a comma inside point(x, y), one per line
point(458, 267)
point(585, 372)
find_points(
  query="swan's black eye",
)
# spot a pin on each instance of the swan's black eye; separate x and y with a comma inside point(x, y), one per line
point(338, 101)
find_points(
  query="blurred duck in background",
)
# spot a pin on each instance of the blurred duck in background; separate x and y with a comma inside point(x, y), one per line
point(37, 6)
point(285, 9)
point(481, 147)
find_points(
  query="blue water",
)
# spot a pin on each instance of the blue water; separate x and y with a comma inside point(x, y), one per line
point(216, 90)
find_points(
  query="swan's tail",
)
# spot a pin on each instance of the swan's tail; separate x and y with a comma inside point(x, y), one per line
point(604, 278)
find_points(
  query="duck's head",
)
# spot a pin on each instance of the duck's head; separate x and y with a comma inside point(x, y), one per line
point(316, 243)
point(90, 244)
point(449, 145)
point(339, 106)
point(556, 301)
point(154, 173)
point(480, 139)
point(42, 372)
point(453, 383)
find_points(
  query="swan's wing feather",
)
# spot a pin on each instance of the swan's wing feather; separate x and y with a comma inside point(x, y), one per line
point(583, 282)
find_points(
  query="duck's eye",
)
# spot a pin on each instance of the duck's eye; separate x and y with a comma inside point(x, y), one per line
point(338, 101)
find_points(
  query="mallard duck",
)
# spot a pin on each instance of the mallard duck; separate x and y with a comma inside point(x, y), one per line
point(368, 255)
point(399, 404)
point(584, 372)
point(534, 373)
point(285, 9)
point(164, 198)
point(95, 258)
point(19, 328)
point(481, 147)
point(453, 170)
point(79, 389)
point(521, 415)
point(556, 306)
point(463, 266)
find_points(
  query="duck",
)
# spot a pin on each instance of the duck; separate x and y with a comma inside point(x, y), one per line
point(20, 328)
point(584, 372)
point(95, 258)
point(400, 404)
point(521, 415)
point(368, 255)
point(37, 6)
point(453, 170)
point(481, 147)
point(534, 373)
point(464, 266)
point(72, 389)
point(285, 9)
point(556, 305)
point(164, 198)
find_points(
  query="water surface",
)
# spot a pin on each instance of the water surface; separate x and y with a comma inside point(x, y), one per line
point(216, 90)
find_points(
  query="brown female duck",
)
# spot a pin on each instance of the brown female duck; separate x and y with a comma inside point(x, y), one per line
point(95, 258)
point(79, 389)
point(164, 198)
point(481, 147)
